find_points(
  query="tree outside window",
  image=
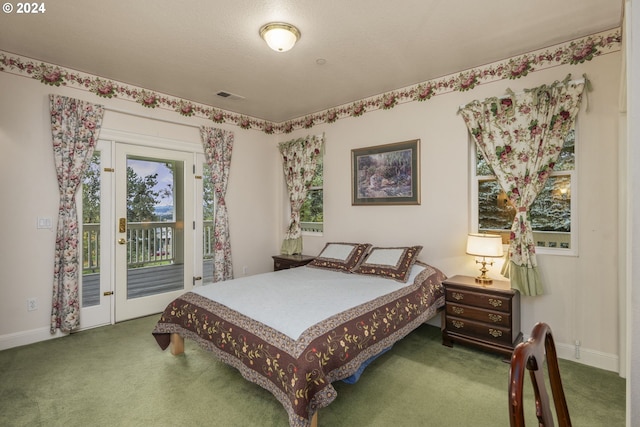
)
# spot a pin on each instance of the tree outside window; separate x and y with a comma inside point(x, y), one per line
point(312, 210)
point(550, 214)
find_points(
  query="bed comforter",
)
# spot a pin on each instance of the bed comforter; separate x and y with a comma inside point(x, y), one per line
point(298, 367)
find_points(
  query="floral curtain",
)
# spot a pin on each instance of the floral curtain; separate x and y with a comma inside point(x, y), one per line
point(75, 126)
point(218, 145)
point(299, 158)
point(520, 137)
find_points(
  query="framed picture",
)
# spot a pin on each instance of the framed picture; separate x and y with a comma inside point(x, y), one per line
point(386, 174)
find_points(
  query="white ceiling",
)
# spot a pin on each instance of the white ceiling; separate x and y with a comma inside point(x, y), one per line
point(193, 49)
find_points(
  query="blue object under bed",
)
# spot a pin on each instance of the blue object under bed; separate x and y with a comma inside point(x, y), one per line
point(356, 375)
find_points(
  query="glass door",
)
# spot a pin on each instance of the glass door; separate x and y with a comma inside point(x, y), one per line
point(154, 228)
point(95, 281)
point(204, 222)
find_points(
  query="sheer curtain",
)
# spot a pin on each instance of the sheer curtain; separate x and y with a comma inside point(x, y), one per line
point(218, 146)
point(75, 126)
point(521, 136)
point(299, 158)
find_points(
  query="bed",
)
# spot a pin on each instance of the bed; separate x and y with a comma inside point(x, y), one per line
point(294, 332)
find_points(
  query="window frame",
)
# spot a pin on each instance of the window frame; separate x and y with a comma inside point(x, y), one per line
point(573, 176)
point(319, 232)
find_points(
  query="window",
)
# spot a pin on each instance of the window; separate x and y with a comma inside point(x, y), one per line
point(551, 214)
point(91, 206)
point(208, 216)
point(312, 211)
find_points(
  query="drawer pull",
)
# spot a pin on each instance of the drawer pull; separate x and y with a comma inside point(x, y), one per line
point(457, 310)
point(458, 324)
point(457, 296)
point(495, 317)
point(495, 302)
point(495, 333)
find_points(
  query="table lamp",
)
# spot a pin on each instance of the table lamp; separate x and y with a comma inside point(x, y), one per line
point(484, 246)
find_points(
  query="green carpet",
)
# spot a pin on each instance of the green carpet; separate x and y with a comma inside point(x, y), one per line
point(118, 376)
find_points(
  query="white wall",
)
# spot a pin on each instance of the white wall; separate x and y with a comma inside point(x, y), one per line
point(30, 190)
point(581, 301)
point(633, 183)
point(581, 292)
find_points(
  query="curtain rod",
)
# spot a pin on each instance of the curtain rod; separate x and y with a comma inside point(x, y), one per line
point(577, 81)
point(117, 110)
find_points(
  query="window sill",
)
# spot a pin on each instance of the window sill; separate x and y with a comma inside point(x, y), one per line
point(312, 228)
point(556, 251)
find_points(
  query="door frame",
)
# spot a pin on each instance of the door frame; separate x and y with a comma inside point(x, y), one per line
point(101, 314)
point(111, 137)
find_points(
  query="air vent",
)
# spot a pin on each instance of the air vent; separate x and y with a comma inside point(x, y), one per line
point(229, 95)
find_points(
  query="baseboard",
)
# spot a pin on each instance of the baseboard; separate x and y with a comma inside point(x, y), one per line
point(594, 358)
point(27, 337)
point(597, 359)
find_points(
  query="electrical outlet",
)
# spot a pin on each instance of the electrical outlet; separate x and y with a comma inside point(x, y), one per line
point(32, 304)
point(245, 270)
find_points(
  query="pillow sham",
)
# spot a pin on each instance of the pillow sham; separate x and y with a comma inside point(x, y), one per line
point(394, 263)
point(340, 256)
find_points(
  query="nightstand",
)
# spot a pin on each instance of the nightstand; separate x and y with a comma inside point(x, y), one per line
point(281, 262)
point(487, 316)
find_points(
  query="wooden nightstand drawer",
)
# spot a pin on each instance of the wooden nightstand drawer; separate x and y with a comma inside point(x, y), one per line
point(476, 299)
point(486, 316)
point(481, 315)
point(479, 330)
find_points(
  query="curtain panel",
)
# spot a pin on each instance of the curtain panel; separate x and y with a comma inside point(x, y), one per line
point(521, 136)
point(299, 159)
point(75, 126)
point(218, 146)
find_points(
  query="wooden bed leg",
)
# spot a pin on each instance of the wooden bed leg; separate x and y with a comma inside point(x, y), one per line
point(314, 420)
point(177, 344)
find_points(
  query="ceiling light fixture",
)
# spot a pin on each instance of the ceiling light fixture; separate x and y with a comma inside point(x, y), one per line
point(280, 36)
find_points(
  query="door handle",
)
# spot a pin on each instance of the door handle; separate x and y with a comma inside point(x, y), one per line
point(122, 240)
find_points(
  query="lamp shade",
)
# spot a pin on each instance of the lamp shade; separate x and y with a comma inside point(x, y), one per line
point(280, 36)
point(484, 245)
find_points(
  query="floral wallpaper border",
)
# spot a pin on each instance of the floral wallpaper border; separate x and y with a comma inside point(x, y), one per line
point(573, 52)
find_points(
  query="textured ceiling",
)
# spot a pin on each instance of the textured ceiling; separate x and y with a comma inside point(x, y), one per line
point(193, 49)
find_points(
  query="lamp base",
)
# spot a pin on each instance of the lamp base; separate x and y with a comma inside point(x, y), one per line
point(484, 281)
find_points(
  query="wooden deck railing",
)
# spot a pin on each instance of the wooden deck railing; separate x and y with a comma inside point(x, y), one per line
point(312, 227)
point(149, 243)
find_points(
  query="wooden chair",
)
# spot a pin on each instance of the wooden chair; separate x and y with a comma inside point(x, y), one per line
point(531, 355)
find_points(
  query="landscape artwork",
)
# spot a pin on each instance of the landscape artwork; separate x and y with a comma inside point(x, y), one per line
point(386, 174)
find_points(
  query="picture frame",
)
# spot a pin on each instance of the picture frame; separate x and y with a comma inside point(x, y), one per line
point(386, 174)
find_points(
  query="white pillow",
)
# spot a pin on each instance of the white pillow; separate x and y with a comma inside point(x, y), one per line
point(337, 251)
point(340, 256)
point(381, 256)
point(394, 263)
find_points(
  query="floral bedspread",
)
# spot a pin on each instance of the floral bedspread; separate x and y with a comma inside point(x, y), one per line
point(299, 372)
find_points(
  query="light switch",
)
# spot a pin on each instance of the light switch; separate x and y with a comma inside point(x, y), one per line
point(44, 222)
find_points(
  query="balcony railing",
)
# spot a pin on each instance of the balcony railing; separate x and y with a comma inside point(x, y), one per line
point(90, 248)
point(312, 227)
point(148, 244)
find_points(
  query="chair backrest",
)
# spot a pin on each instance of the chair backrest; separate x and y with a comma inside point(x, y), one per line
point(531, 355)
